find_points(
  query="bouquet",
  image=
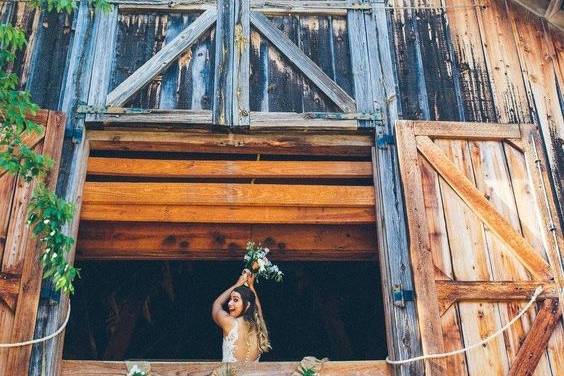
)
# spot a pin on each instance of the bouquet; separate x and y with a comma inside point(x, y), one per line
point(257, 262)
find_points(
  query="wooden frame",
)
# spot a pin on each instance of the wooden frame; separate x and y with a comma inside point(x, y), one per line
point(356, 368)
point(414, 138)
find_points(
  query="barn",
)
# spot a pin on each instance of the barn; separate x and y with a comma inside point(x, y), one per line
point(403, 160)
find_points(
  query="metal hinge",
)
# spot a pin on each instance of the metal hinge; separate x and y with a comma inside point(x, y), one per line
point(400, 296)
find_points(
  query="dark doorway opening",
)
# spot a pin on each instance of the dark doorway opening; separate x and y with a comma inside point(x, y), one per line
point(161, 310)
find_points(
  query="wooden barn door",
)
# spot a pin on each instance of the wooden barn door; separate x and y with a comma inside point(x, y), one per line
point(483, 234)
point(20, 271)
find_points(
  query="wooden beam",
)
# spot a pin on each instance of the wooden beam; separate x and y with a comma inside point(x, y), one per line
point(180, 241)
point(232, 66)
point(420, 250)
point(553, 8)
point(450, 292)
point(274, 8)
point(357, 368)
point(161, 60)
point(210, 194)
point(303, 63)
point(225, 214)
point(271, 121)
point(533, 347)
point(288, 143)
point(9, 289)
point(476, 201)
point(149, 117)
point(159, 168)
point(467, 131)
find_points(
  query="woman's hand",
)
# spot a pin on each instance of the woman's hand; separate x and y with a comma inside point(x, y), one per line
point(243, 278)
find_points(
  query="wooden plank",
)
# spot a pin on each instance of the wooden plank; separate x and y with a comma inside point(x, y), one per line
point(439, 242)
point(481, 206)
point(474, 86)
point(17, 360)
point(177, 241)
point(164, 118)
point(105, 29)
point(421, 256)
point(162, 60)
point(7, 191)
point(231, 143)
point(548, 232)
point(470, 262)
point(304, 63)
point(58, 313)
point(351, 368)
point(228, 169)
point(226, 214)
point(467, 131)
point(450, 292)
point(542, 85)
point(492, 177)
point(9, 289)
point(209, 194)
point(537, 339)
point(401, 322)
point(271, 121)
point(502, 63)
point(231, 79)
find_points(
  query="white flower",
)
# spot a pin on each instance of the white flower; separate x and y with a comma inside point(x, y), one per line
point(266, 250)
point(52, 233)
point(54, 255)
point(261, 263)
point(46, 221)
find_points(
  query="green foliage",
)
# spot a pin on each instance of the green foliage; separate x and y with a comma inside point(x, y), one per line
point(307, 371)
point(68, 5)
point(48, 214)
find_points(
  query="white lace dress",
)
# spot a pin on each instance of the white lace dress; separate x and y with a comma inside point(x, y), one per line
point(230, 345)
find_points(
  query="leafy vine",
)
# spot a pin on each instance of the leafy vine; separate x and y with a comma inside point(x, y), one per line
point(48, 214)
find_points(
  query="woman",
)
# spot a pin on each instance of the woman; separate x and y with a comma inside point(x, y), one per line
point(245, 336)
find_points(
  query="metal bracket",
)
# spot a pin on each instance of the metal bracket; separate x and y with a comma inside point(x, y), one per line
point(400, 296)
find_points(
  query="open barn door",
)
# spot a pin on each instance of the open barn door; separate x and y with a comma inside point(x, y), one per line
point(483, 234)
point(20, 271)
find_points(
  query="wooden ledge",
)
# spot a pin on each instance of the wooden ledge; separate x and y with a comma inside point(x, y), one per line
point(349, 368)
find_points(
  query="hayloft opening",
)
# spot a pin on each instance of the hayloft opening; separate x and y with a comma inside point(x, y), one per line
point(164, 222)
point(161, 310)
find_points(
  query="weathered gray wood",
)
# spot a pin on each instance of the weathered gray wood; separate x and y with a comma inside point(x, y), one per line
point(231, 80)
point(281, 7)
point(303, 63)
point(162, 60)
point(106, 29)
point(46, 357)
point(290, 120)
point(152, 117)
point(375, 90)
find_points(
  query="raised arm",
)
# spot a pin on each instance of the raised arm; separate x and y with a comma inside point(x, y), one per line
point(222, 318)
point(251, 283)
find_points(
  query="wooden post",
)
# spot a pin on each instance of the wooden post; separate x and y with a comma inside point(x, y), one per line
point(231, 85)
point(87, 35)
point(373, 74)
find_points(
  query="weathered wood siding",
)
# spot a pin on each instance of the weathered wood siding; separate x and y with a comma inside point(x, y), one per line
point(492, 63)
point(41, 64)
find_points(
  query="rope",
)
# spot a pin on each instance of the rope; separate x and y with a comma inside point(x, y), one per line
point(538, 291)
point(43, 339)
